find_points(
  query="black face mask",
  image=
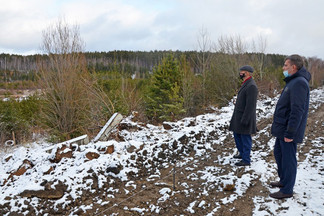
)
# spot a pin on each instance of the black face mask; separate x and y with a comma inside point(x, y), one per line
point(242, 76)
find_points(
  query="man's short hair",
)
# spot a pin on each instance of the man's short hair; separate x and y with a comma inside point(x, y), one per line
point(296, 60)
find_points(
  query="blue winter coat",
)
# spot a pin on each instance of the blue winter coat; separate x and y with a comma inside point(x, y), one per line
point(290, 116)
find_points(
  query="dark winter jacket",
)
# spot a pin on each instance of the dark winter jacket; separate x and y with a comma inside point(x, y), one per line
point(291, 112)
point(244, 116)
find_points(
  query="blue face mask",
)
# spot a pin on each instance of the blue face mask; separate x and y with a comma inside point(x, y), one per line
point(286, 74)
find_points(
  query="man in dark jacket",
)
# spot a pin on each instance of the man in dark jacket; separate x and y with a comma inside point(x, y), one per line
point(289, 123)
point(243, 122)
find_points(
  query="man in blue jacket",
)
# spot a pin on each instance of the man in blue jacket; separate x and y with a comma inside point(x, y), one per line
point(289, 123)
point(243, 121)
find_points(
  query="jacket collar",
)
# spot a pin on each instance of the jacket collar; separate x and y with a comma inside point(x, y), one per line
point(302, 72)
point(245, 83)
point(246, 80)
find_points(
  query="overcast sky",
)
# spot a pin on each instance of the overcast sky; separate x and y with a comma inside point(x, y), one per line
point(289, 26)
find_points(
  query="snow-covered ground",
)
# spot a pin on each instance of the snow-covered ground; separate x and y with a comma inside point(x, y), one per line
point(153, 143)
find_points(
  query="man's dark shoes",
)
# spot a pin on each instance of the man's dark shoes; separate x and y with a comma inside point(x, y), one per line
point(242, 163)
point(280, 195)
point(276, 184)
point(238, 156)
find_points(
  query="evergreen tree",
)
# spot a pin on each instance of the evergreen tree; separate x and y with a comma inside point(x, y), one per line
point(165, 99)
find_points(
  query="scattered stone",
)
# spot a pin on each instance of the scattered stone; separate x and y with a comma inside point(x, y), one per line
point(161, 155)
point(145, 152)
point(56, 193)
point(165, 146)
point(114, 170)
point(184, 139)
point(49, 170)
point(21, 170)
point(131, 149)
point(192, 123)
point(167, 126)
point(8, 158)
point(63, 152)
point(110, 149)
point(79, 211)
point(175, 145)
point(92, 155)
point(124, 126)
point(229, 187)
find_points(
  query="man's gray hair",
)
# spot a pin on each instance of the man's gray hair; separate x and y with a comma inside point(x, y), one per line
point(296, 60)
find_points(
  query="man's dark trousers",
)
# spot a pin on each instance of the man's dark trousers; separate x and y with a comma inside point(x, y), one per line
point(243, 144)
point(285, 155)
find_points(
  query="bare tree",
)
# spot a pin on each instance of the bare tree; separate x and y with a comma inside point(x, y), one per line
point(316, 68)
point(70, 94)
point(203, 51)
point(224, 74)
point(259, 47)
point(203, 58)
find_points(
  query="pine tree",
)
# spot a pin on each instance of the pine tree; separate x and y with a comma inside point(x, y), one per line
point(165, 99)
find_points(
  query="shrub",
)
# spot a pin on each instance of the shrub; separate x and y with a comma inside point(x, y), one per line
point(18, 118)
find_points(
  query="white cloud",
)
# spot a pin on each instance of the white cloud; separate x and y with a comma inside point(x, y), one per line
point(21, 24)
point(289, 26)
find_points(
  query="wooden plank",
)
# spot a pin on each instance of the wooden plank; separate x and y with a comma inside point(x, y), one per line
point(109, 126)
point(81, 140)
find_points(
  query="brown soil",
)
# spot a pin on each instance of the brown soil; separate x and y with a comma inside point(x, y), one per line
point(189, 184)
point(180, 200)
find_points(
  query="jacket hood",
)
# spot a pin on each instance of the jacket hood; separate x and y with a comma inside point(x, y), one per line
point(301, 72)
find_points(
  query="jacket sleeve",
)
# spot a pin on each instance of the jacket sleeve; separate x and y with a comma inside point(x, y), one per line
point(251, 99)
point(298, 97)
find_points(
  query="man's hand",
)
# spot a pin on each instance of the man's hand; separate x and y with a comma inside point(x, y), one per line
point(288, 140)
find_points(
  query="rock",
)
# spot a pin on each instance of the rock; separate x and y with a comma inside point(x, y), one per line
point(199, 135)
point(80, 211)
point(167, 126)
point(21, 170)
point(145, 152)
point(44, 183)
point(64, 152)
point(124, 126)
point(175, 145)
point(229, 187)
point(52, 194)
point(114, 170)
point(8, 158)
point(110, 149)
point(192, 123)
point(15, 214)
point(161, 155)
point(92, 155)
point(56, 193)
point(184, 139)
point(165, 146)
point(133, 157)
point(131, 149)
point(49, 170)
point(114, 135)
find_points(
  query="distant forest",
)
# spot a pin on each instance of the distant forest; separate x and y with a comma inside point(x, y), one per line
point(139, 63)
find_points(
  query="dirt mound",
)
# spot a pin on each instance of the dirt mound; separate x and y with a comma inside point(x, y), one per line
point(182, 168)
